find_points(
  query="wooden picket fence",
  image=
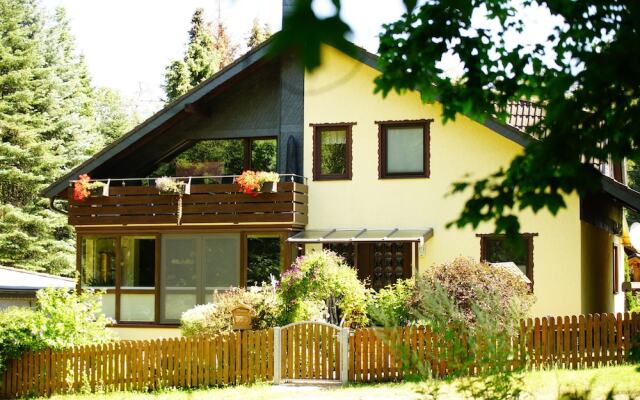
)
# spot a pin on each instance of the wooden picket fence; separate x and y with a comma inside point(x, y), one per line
point(233, 358)
point(585, 341)
point(305, 351)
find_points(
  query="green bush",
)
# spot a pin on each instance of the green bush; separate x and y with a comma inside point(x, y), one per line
point(322, 282)
point(60, 320)
point(473, 288)
point(388, 306)
point(215, 318)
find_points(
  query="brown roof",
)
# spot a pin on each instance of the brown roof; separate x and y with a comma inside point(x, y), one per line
point(523, 114)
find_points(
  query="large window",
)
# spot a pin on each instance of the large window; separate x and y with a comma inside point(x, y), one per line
point(497, 248)
point(125, 266)
point(194, 267)
point(216, 157)
point(138, 261)
point(331, 151)
point(404, 149)
point(99, 262)
point(265, 258)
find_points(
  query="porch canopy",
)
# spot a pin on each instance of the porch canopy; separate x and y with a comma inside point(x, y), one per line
point(362, 235)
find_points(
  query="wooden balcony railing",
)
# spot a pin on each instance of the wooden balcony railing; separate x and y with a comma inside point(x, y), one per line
point(131, 203)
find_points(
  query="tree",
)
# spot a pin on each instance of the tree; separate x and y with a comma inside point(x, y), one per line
point(47, 109)
point(258, 34)
point(114, 115)
point(207, 52)
point(32, 139)
point(586, 76)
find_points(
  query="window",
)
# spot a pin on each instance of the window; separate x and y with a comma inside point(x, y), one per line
point(194, 267)
point(331, 151)
point(265, 258)
point(404, 149)
point(138, 261)
point(132, 297)
point(99, 262)
point(215, 157)
point(615, 267)
point(496, 248)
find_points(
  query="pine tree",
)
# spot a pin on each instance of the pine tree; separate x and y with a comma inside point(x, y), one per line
point(207, 52)
point(49, 121)
point(258, 34)
point(31, 235)
point(114, 115)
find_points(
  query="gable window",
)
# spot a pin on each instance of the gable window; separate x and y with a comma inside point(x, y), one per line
point(215, 157)
point(331, 151)
point(403, 149)
point(497, 249)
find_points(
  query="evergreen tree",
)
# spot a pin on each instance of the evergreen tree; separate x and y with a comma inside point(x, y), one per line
point(113, 114)
point(31, 236)
point(49, 121)
point(207, 52)
point(258, 34)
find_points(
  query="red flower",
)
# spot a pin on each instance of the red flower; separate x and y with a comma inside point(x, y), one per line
point(80, 187)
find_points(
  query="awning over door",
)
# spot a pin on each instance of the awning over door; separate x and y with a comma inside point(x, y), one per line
point(362, 235)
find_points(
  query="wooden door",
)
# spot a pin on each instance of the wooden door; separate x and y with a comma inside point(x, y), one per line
point(380, 263)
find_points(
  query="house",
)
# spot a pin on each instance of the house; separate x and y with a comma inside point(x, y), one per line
point(18, 287)
point(362, 175)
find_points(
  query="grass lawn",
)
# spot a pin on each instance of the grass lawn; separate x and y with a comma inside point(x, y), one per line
point(538, 385)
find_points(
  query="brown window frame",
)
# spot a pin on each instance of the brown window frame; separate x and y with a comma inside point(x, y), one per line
point(615, 265)
point(118, 289)
point(383, 128)
point(317, 131)
point(528, 237)
point(247, 144)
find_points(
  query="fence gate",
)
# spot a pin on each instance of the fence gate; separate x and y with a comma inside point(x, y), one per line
point(310, 351)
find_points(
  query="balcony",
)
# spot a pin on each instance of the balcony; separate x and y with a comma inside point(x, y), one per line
point(206, 200)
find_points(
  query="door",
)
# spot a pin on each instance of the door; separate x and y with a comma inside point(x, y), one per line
point(380, 263)
point(193, 268)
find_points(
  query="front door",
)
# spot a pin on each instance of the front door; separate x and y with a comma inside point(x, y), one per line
point(380, 263)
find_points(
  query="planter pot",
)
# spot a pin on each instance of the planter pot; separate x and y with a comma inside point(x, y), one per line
point(99, 191)
point(269, 187)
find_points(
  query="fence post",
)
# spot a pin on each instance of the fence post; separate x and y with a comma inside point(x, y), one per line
point(344, 355)
point(277, 353)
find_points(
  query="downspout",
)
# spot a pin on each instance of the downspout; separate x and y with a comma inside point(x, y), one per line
point(52, 205)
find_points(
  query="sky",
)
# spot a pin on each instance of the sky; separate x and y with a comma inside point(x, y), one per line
point(128, 43)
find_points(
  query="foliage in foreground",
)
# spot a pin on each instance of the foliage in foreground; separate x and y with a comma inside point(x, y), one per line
point(60, 320)
point(317, 287)
point(323, 281)
point(215, 318)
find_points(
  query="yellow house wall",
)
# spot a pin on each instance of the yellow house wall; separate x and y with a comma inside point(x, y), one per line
point(342, 91)
point(131, 333)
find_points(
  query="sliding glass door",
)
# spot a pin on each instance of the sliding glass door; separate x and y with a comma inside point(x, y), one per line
point(194, 267)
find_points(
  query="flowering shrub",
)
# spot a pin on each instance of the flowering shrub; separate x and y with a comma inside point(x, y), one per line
point(250, 182)
point(216, 317)
point(322, 282)
point(82, 187)
point(60, 320)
